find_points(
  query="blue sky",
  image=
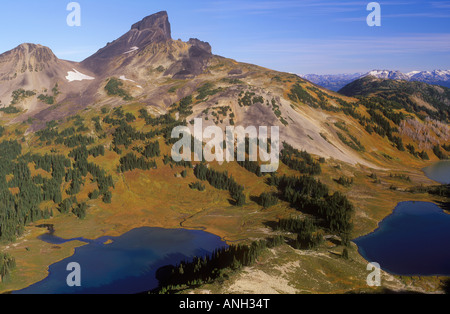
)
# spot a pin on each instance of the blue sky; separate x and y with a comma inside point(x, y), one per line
point(301, 36)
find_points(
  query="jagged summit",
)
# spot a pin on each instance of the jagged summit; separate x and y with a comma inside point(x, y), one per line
point(152, 29)
point(149, 44)
point(158, 23)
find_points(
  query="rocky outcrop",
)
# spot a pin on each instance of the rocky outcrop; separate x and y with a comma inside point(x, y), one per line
point(157, 23)
point(152, 29)
point(149, 44)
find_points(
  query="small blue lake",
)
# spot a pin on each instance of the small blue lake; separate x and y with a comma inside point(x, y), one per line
point(126, 265)
point(413, 240)
point(439, 171)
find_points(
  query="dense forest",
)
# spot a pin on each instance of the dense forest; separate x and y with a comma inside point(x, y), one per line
point(22, 207)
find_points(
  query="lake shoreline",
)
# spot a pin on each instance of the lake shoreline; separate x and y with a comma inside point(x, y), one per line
point(381, 242)
point(436, 172)
point(143, 248)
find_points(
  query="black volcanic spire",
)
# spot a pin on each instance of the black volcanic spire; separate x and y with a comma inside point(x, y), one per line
point(149, 37)
point(158, 23)
point(152, 29)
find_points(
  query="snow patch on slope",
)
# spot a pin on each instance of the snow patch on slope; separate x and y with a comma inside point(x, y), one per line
point(77, 76)
point(123, 78)
point(131, 50)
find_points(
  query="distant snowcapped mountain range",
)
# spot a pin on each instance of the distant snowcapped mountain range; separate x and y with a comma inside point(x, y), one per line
point(335, 82)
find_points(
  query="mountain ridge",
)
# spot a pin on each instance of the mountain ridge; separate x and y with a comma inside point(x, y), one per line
point(432, 99)
point(164, 71)
point(93, 143)
point(335, 82)
point(147, 46)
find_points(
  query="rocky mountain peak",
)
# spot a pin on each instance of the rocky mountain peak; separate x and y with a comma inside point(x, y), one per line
point(158, 23)
point(27, 52)
point(25, 58)
point(200, 45)
point(152, 29)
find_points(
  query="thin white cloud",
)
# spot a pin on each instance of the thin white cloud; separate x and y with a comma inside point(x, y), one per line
point(354, 46)
point(423, 14)
point(441, 4)
point(399, 15)
point(313, 7)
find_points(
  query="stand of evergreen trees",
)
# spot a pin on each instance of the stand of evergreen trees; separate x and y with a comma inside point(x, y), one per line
point(412, 150)
point(97, 125)
point(221, 181)
point(184, 106)
point(21, 208)
point(197, 186)
point(82, 153)
point(130, 162)
point(440, 190)
point(251, 166)
point(354, 143)
point(344, 181)
point(165, 119)
point(82, 167)
point(18, 210)
point(126, 135)
point(203, 270)
point(309, 236)
point(311, 196)
point(114, 88)
point(167, 123)
point(182, 163)
point(80, 210)
point(267, 200)
point(308, 165)
point(439, 153)
point(152, 150)
point(76, 140)
point(7, 263)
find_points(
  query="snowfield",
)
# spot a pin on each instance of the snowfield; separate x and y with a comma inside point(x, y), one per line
point(77, 76)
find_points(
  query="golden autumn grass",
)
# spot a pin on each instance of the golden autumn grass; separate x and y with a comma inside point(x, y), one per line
point(161, 198)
